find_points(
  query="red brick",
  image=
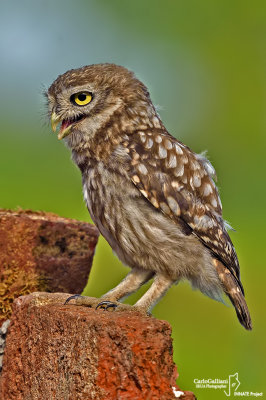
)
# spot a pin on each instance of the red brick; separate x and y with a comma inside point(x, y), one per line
point(55, 351)
point(42, 252)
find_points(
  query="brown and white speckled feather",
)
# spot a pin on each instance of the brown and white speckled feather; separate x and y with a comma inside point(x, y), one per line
point(179, 183)
point(234, 292)
point(151, 197)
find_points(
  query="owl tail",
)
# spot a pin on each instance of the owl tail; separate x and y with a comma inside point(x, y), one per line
point(235, 294)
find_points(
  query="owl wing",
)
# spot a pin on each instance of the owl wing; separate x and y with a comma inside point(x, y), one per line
point(180, 184)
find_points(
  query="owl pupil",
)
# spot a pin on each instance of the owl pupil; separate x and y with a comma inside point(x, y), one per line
point(82, 97)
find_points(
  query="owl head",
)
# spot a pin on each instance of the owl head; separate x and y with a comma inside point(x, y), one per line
point(84, 99)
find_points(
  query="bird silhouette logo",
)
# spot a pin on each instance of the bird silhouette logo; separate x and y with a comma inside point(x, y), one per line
point(233, 384)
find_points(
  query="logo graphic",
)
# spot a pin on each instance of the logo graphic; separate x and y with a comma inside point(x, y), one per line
point(229, 386)
point(233, 384)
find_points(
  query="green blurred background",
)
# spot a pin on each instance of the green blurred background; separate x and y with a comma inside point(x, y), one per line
point(204, 64)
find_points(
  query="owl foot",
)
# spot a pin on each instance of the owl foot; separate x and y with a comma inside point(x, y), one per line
point(105, 305)
point(94, 302)
point(73, 297)
point(83, 301)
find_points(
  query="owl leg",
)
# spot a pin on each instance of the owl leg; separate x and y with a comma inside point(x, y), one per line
point(132, 282)
point(158, 288)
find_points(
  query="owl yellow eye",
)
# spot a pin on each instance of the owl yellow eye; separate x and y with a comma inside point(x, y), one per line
point(81, 99)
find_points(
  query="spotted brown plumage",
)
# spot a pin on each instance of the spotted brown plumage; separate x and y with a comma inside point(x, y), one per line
point(151, 197)
point(180, 184)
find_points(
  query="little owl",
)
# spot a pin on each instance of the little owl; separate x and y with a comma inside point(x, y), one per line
point(151, 197)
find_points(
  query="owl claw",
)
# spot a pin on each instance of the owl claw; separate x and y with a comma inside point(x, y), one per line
point(73, 297)
point(106, 304)
point(85, 301)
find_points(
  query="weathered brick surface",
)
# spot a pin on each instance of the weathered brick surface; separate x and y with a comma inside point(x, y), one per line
point(70, 352)
point(42, 252)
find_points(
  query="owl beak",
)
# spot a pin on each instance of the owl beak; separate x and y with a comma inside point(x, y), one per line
point(55, 119)
point(64, 131)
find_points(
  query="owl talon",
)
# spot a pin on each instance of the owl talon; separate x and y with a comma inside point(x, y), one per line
point(106, 304)
point(84, 301)
point(73, 297)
